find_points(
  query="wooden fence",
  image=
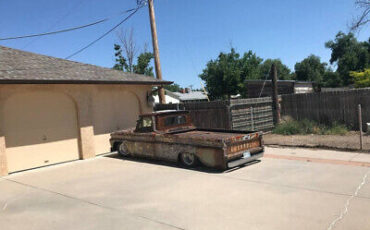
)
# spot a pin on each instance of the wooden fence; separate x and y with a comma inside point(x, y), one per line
point(329, 107)
point(240, 114)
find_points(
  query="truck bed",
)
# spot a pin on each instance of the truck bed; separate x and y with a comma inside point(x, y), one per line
point(217, 135)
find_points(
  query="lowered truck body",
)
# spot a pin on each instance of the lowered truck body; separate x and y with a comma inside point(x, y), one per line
point(171, 136)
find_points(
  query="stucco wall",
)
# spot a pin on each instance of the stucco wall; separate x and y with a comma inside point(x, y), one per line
point(94, 111)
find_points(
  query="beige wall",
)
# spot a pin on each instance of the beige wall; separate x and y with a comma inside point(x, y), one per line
point(70, 122)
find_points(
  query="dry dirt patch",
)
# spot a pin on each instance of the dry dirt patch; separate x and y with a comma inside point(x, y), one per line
point(351, 141)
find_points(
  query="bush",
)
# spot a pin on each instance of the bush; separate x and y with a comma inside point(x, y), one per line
point(336, 129)
point(288, 128)
point(304, 127)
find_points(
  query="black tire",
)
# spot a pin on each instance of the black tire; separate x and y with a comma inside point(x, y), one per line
point(188, 160)
point(122, 149)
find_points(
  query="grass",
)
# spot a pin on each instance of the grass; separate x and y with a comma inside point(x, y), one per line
point(305, 127)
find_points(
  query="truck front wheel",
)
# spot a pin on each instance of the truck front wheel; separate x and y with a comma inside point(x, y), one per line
point(188, 159)
point(122, 149)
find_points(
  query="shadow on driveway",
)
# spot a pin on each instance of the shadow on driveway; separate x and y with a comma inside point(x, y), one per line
point(200, 168)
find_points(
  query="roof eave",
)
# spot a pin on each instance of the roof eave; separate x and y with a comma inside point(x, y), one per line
point(43, 81)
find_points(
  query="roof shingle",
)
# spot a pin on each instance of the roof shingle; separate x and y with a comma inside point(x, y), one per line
point(18, 66)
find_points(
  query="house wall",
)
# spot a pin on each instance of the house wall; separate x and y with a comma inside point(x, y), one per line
point(303, 88)
point(63, 122)
point(169, 99)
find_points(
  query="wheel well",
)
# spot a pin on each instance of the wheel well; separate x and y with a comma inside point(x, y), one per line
point(116, 146)
point(179, 156)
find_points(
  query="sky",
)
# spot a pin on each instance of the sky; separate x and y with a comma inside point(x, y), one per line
point(190, 32)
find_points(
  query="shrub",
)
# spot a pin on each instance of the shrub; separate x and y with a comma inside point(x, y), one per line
point(304, 127)
point(288, 128)
point(336, 129)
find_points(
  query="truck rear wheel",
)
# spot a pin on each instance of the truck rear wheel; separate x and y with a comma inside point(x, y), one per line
point(122, 149)
point(188, 159)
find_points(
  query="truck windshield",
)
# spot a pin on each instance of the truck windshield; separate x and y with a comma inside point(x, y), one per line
point(175, 120)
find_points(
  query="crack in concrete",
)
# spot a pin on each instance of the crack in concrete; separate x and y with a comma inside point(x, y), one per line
point(293, 187)
point(345, 209)
point(15, 199)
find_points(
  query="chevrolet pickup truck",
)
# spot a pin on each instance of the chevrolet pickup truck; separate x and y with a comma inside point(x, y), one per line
point(171, 136)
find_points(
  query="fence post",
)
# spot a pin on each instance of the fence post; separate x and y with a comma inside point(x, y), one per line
point(360, 124)
point(275, 97)
point(252, 120)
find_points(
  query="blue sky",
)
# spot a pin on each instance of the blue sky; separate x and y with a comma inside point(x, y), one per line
point(190, 32)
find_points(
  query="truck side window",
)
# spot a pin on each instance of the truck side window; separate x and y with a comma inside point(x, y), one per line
point(175, 120)
point(145, 124)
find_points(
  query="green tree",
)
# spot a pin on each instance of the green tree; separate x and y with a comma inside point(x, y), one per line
point(349, 55)
point(141, 67)
point(226, 75)
point(249, 66)
point(331, 79)
point(143, 64)
point(283, 71)
point(222, 76)
point(121, 63)
point(361, 79)
point(310, 69)
point(173, 88)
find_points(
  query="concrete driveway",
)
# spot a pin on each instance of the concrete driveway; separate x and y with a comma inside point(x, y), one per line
point(288, 191)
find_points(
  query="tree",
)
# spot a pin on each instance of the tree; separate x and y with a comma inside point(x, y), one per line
point(349, 55)
point(222, 76)
point(226, 75)
point(283, 71)
point(173, 88)
point(121, 63)
point(331, 79)
point(143, 64)
point(363, 18)
point(361, 79)
point(310, 69)
point(125, 62)
point(128, 44)
point(249, 65)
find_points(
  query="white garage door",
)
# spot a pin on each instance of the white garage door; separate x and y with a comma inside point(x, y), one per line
point(40, 129)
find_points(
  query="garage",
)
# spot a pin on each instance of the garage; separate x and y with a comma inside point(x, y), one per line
point(40, 129)
point(54, 110)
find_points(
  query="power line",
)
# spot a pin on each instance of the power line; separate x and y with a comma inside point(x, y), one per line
point(64, 30)
point(76, 6)
point(55, 32)
point(105, 34)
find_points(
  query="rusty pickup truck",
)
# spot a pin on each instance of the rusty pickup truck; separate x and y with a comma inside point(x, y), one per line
point(171, 136)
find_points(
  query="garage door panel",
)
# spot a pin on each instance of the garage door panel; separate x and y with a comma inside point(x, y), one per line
point(32, 156)
point(40, 129)
point(113, 110)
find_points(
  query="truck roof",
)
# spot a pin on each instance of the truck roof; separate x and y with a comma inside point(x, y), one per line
point(165, 112)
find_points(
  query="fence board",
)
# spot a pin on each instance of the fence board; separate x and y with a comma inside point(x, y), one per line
point(329, 107)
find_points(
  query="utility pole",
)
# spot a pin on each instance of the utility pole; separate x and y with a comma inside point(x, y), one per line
point(275, 96)
point(158, 71)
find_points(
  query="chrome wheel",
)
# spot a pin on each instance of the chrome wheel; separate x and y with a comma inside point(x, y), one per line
point(188, 159)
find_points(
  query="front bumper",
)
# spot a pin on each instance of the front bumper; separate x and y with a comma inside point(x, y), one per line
point(241, 161)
